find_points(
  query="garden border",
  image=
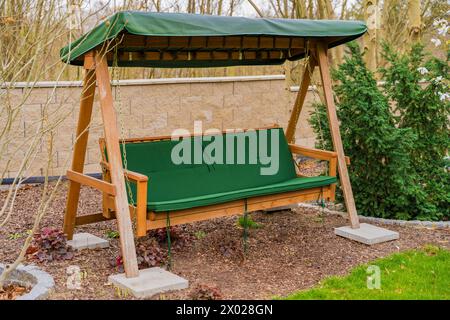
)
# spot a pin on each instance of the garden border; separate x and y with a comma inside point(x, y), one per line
point(42, 283)
point(411, 223)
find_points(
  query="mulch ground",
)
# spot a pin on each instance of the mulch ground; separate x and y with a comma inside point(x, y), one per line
point(292, 250)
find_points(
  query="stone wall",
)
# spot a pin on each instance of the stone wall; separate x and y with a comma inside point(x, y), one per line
point(151, 107)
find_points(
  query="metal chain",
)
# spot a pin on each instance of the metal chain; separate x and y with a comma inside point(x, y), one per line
point(245, 235)
point(121, 122)
point(169, 242)
point(321, 203)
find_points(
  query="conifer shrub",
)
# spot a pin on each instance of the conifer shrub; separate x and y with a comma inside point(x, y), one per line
point(396, 135)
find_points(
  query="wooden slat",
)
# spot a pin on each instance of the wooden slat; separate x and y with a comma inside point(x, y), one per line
point(214, 42)
point(335, 134)
point(115, 161)
point(167, 137)
point(214, 55)
point(251, 203)
point(91, 182)
point(79, 150)
point(229, 209)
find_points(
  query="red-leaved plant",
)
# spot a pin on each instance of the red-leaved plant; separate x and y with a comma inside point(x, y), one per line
point(149, 254)
point(205, 292)
point(179, 237)
point(49, 245)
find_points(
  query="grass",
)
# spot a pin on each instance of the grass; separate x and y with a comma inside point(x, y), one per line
point(416, 274)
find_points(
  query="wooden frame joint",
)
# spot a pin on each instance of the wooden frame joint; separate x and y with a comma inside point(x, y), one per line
point(89, 61)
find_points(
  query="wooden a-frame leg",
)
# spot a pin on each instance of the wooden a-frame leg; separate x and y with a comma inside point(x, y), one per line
point(116, 169)
point(79, 150)
point(335, 134)
point(300, 100)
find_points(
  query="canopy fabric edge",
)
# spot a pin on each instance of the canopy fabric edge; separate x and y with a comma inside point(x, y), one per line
point(138, 23)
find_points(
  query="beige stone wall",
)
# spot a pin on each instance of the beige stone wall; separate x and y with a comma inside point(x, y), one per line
point(151, 107)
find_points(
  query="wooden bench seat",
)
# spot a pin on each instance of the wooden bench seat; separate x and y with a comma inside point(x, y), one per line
point(189, 192)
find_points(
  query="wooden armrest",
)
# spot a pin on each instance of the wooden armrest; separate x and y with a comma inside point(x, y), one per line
point(315, 153)
point(134, 176)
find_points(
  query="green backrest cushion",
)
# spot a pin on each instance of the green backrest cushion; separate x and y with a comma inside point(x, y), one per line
point(169, 181)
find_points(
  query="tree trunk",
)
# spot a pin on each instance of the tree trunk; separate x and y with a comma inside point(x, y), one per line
point(415, 22)
point(370, 38)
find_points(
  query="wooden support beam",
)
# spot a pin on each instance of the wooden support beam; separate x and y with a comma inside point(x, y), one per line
point(79, 150)
point(91, 218)
point(115, 162)
point(322, 49)
point(83, 179)
point(300, 100)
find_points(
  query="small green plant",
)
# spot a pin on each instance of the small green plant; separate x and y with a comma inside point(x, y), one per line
point(206, 292)
point(431, 250)
point(48, 245)
point(248, 222)
point(200, 234)
point(18, 235)
point(112, 234)
point(15, 236)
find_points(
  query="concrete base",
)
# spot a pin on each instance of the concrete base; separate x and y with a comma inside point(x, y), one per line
point(367, 234)
point(149, 282)
point(87, 241)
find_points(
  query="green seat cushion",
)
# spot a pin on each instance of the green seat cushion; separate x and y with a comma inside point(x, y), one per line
point(221, 197)
point(218, 176)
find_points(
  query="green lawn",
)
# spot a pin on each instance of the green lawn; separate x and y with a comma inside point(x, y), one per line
point(415, 274)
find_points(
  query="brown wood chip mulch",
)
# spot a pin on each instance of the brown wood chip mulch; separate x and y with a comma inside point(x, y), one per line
point(293, 250)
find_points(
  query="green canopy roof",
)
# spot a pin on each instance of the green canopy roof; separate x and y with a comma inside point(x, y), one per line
point(149, 39)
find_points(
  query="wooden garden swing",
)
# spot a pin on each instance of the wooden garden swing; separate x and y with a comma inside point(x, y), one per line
point(161, 190)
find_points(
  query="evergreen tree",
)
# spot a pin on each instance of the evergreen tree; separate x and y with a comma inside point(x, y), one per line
point(419, 89)
point(383, 181)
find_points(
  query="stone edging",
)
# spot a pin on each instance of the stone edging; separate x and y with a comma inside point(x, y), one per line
point(412, 223)
point(42, 283)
